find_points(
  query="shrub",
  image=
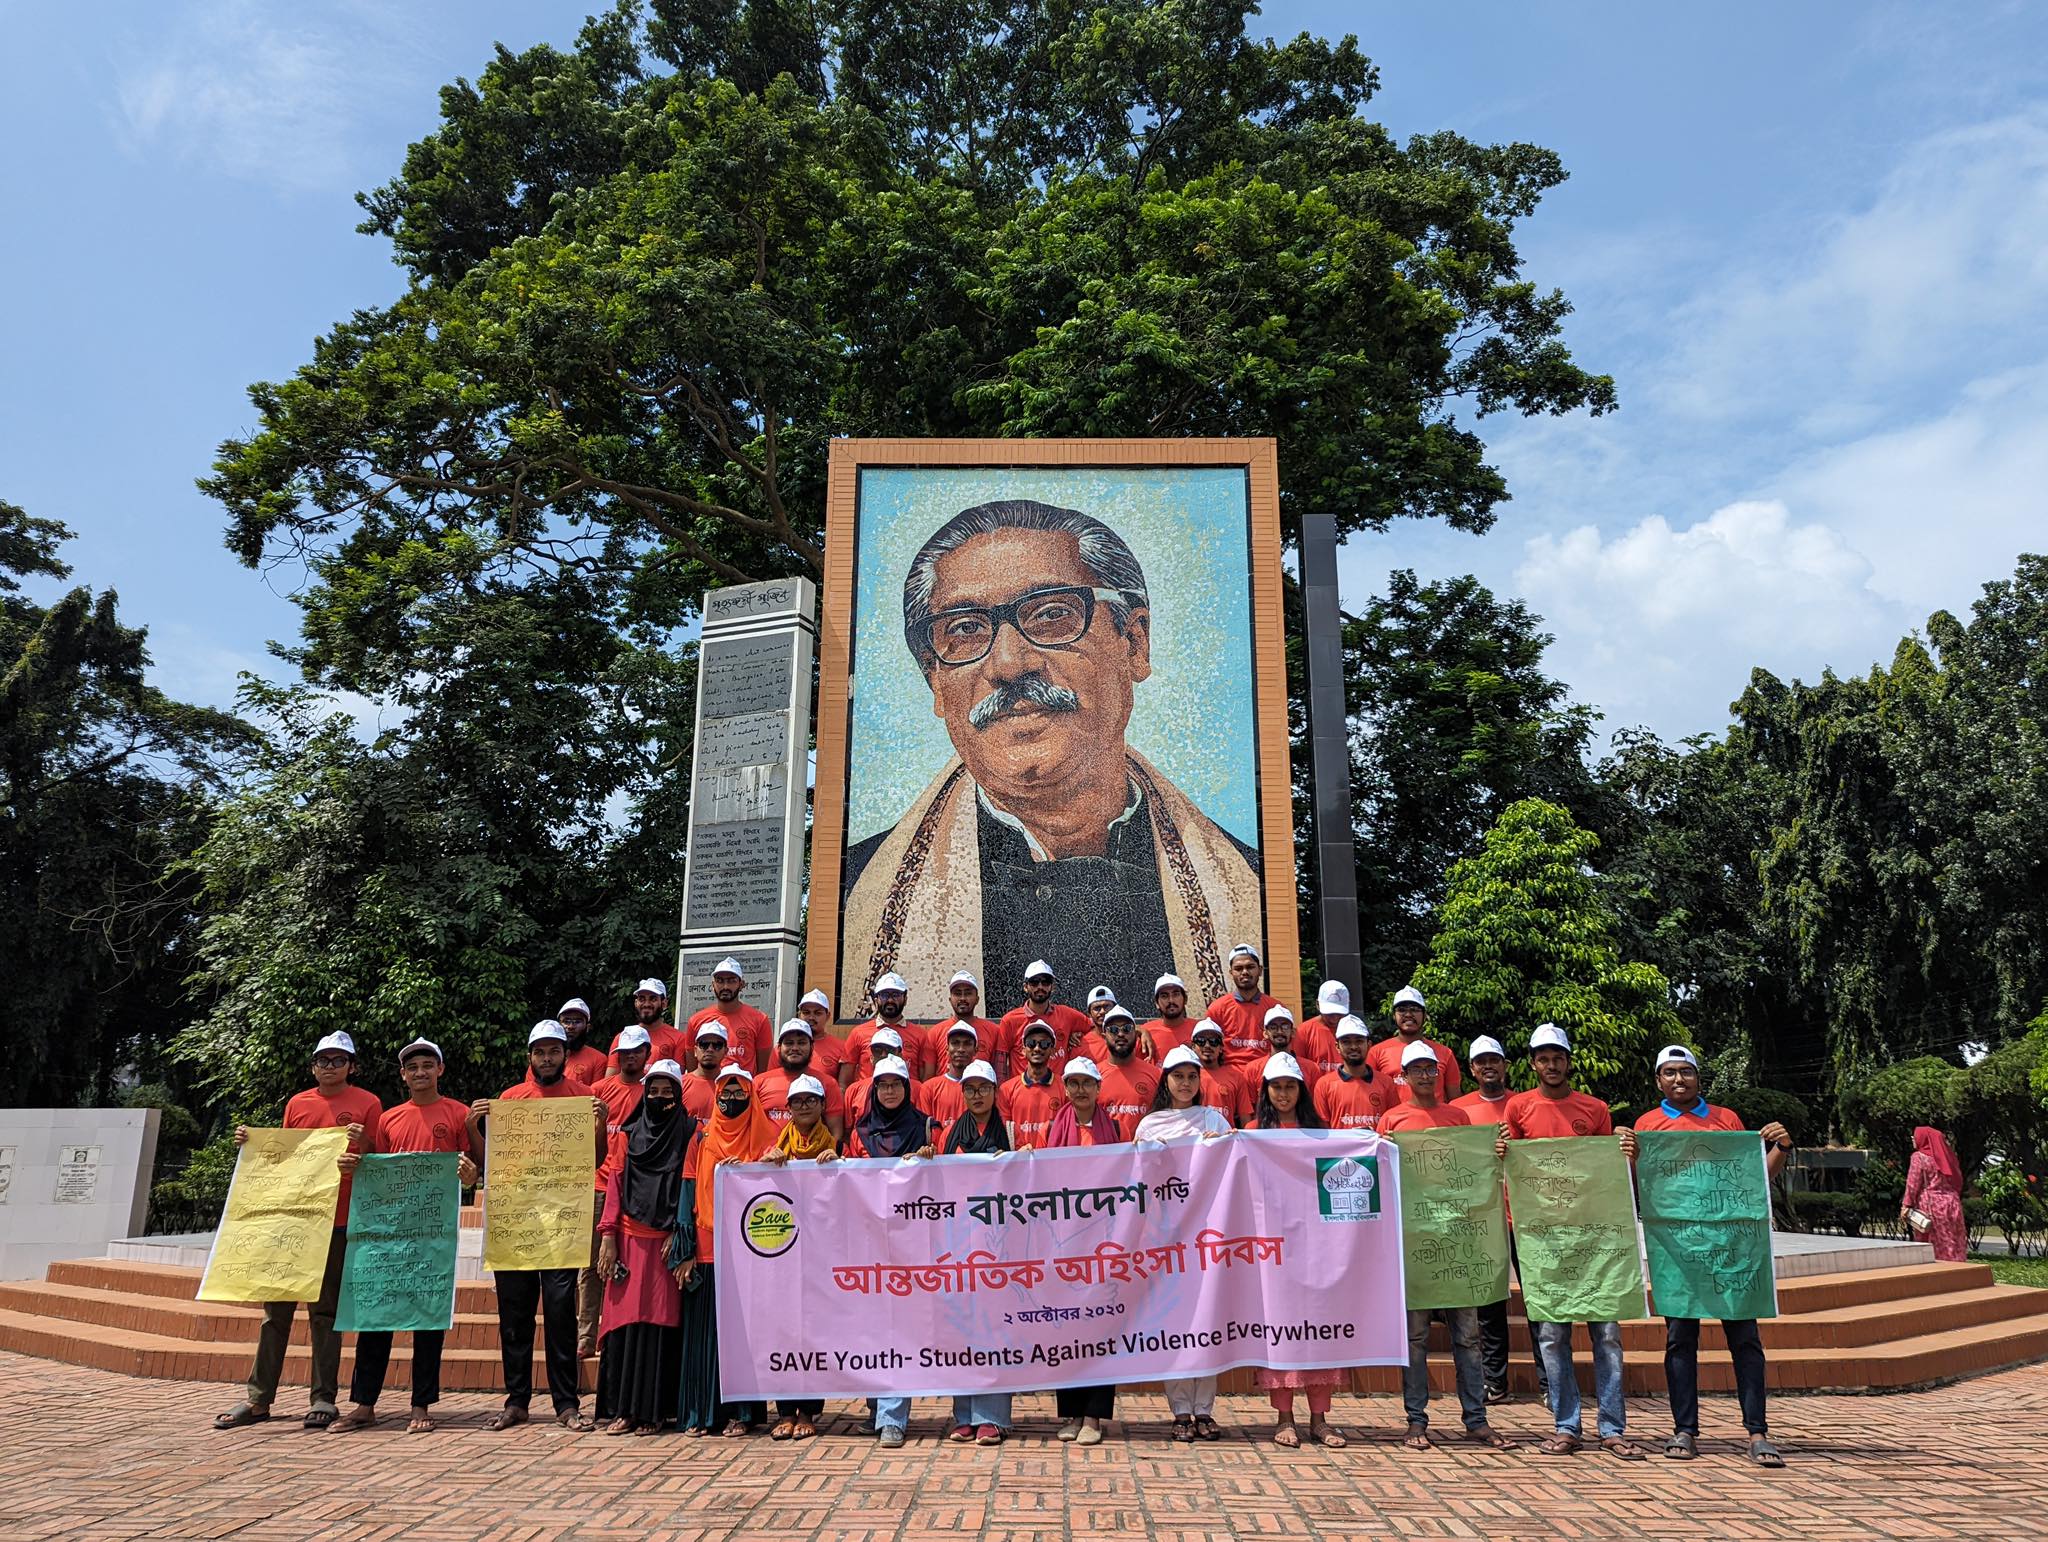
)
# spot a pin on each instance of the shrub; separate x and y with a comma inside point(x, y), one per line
point(1883, 1108)
point(2012, 1200)
point(1820, 1211)
point(1758, 1106)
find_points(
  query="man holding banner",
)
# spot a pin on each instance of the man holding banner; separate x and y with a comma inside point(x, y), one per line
point(1706, 1222)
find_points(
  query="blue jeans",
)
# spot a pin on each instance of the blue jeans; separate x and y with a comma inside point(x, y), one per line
point(892, 1413)
point(981, 1408)
point(1554, 1344)
point(1465, 1357)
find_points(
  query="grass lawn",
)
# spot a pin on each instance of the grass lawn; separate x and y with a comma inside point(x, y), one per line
point(2016, 1271)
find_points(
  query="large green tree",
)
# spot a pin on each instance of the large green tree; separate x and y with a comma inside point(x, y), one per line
point(105, 783)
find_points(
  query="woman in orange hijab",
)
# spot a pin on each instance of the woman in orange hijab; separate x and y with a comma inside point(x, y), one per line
point(737, 1131)
point(1934, 1188)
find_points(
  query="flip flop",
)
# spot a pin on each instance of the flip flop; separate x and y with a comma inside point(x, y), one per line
point(1487, 1435)
point(805, 1430)
point(421, 1423)
point(575, 1419)
point(783, 1430)
point(506, 1417)
point(352, 1421)
point(240, 1416)
point(1622, 1449)
point(1417, 1439)
point(1561, 1444)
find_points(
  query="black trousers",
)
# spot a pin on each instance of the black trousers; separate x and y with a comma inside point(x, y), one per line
point(553, 1292)
point(1086, 1402)
point(373, 1358)
point(1682, 1372)
point(799, 1408)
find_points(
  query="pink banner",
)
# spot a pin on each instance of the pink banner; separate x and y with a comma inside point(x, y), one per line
point(1026, 1272)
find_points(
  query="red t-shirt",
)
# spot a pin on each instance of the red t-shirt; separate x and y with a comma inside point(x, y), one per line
point(988, 1037)
point(1223, 1088)
point(621, 1100)
point(1315, 1046)
point(749, 1036)
point(442, 1125)
point(1348, 1103)
point(315, 1110)
point(1029, 1108)
point(1532, 1116)
point(828, 1053)
point(1068, 1027)
point(1127, 1092)
point(1480, 1109)
point(1715, 1118)
point(1244, 1030)
point(771, 1091)
point(700, 1095)
point(664, 1042)
point(586, 1063)
point(1167, 1037)
point(1408, 1117)
point(916, 1053)
point(942, 1098)
point(1385, 1060)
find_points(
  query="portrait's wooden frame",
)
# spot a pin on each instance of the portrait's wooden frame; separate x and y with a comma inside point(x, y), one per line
point(1259, 459)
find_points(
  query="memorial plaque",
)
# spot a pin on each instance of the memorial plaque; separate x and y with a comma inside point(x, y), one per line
point(6, 1171)
point(78, 1175)
point(751, 739)
point(753, 602)
point(744, 674)
point(740, 793)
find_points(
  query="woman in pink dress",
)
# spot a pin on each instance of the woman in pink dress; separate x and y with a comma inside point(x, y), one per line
point(1934, 1187)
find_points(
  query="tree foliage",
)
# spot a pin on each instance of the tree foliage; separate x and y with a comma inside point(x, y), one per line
point(1524, 937)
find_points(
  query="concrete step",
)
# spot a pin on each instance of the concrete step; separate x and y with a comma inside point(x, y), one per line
point(221, 1322)
point(130, 1277)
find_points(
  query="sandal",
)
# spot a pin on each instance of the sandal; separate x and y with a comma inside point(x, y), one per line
point(1487, 1435)
point(319, 1418)
point(735, 1428)
point(1561, 1444)
point(1683, 1446)
point(805, 1430)
point(1207, 1428)
point(1623, 1450)
point(619, 1426)
point(1328, 1435)
point(506, 1417)
point(646, 1429)
point(781, 1431)
point(1764, 1454)
point(354, 1419)
point(421, 1422)
point(574, 1419)
point(1287, 1435)
point(1184, 1430)
point(1417, 1439)
point(242, 1415)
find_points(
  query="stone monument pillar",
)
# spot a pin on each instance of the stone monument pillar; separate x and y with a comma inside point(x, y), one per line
point(743, 879)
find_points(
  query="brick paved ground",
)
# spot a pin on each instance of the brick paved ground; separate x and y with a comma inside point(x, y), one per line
point(89, 1455)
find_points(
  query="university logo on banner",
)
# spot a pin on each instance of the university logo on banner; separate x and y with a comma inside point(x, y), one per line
point(1348, 1188)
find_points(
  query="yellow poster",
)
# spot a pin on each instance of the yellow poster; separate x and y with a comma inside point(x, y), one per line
point(274, 1233)
point(538, 1176)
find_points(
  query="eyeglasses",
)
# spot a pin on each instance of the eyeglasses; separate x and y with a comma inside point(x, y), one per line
point(330, 1062)
point(1045, 618)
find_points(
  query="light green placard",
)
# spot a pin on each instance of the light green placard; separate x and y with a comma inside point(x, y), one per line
point(1454, 1228)
point(1575, 1230)
point(1706, 1202)
point(398, 1274)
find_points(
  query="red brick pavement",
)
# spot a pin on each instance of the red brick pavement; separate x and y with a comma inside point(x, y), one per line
point(97, 1457)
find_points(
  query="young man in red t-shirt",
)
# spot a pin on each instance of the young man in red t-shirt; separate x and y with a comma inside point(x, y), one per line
point(749, 1035)
point(1068, 1026)
point(424, 1122)
point(1172, 1027)
point(331, 1103)
point(1487, 1103)
point(1683, 1109)
point(1552, 1111)
point(828, 1049)
point(650, 1011)
point(942, 1097)
point(1284, 1037)
point(700, 1082)
point(793, 1049)
point(1242, 1014)
point(963, 993)
point(1319, 1033)
point(1128, 1083)
point(1411, 1016)
point(891, 996)
point(1349, 1098)
point(586, 1062)
point(1030, 1100)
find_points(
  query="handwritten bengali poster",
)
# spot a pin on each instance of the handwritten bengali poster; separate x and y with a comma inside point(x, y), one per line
point(399, 1272)
point(278, 1222)
point(539, 1183)
point(1060, 1268)
point(1454, 1225)
point(1575, 1230)
point(1706, 1200)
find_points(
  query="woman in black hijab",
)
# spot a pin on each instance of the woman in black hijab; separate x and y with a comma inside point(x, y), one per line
point(640, 1353)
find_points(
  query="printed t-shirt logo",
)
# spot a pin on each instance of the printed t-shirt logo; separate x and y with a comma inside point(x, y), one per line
point(768, 1224)
point(1348, 1188)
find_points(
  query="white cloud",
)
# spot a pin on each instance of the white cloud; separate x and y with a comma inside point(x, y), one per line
point(265, 93)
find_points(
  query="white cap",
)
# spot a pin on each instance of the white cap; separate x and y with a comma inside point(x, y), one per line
point(1038, 1022)
point(426, 1044)
point(731, 1069)
point(960, 1025)
point(1674, 1052)
point(633, 1036)
point(1550, 1036)
point(816, 999)
point(1205, 1025)
point(652, 986)
point(546, 1028)
point(573, 1004)
point(1037, 967)
point(889, 1065)
point(1081, 1065)
point(888, 1038)
point(891, 981)
point(1409, 996)
point(962, 977)
point(1115, 1014)
point(729, 965)
point(1245, 950)
point(794, 1025)
point(1333, 996)
point(1100, 994)
point(710, 1025)
point(1486, 1044)
point(1417, 1051)
point(1278, 1066)
point(1278, 1013)
point(1179, 1055)
point(1173, 980)
point(666, 1068)
point(809, 1084)
point(341, 1041)
point(1353, 1028)
point(979, 1071)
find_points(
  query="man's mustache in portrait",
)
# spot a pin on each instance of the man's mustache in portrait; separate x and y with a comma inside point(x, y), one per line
point(1027, 690)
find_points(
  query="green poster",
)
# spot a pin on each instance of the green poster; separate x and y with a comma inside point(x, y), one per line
point(1454, 1230)
point(1575, 1230)
point(398, 1275)
point(1707, 1223)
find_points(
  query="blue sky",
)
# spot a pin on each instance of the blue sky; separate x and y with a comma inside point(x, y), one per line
point(1810, 241)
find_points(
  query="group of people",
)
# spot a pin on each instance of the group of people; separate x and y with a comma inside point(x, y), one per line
point(669, 1105)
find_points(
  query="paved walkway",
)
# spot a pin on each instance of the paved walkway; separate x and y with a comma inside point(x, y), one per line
point(88, 1455)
